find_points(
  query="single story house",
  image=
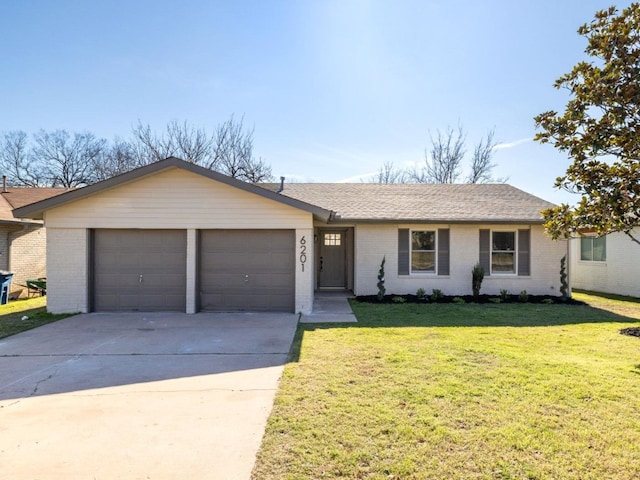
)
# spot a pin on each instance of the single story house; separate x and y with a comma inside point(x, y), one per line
point(607, 264)
point(175, 236)
point(22, 240)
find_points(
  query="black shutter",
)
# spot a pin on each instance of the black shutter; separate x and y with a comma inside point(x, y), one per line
point(485, 251)
point(443, 251)
point(524, 252)
point(403, 251)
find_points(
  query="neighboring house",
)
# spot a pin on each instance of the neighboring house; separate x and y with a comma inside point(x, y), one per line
point(608, 264)
point(176, 236)
point(22, 240)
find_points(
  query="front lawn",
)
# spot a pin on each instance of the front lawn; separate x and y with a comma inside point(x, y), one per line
point(12, 315)
point(506, 391)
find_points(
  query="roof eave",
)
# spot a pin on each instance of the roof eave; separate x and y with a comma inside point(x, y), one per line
point(437, 220)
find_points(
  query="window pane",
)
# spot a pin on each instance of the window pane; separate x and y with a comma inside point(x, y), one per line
point(423, 240)
point(504, 241)
point(502, 262)
point(586, 244)
point(332, 238)
point(423, 262)
point(600, 249)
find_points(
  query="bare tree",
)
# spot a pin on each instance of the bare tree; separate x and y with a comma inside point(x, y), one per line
point(63, 160)
point(444, 158)
point(229, 149)
point(481, 166)
point(389, 173)
point(116, 159)
point(16, 161)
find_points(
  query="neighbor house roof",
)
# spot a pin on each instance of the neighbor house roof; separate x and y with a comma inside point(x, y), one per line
point(36, 210)
point(16, 197)
point(364, 202)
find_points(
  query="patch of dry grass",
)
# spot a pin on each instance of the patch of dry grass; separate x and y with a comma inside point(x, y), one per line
point(12, 315)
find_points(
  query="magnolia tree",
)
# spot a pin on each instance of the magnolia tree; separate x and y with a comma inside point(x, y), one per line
point(600, 130)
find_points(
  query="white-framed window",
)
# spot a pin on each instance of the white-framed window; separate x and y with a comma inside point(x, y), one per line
point(333, 239)
point(503, 252)
point(593, 249)
point(423, 251)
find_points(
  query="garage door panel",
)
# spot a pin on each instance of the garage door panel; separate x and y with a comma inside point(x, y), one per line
point(141, 270)
point(247, 270)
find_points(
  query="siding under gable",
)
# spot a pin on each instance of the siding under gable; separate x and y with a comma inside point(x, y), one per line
point(176, 198)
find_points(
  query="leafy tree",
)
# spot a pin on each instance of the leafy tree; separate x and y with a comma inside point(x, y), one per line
point(600, 130)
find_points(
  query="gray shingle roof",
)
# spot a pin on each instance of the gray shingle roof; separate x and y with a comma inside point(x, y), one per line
point(420, 202)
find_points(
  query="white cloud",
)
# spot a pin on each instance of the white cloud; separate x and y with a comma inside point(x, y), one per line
point(515, 143)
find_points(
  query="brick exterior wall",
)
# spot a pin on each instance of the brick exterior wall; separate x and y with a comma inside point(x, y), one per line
point(375, 241)
point(67, 266)
point(28, 257)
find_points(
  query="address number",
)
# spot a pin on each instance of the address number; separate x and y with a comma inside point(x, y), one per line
point(303, 252)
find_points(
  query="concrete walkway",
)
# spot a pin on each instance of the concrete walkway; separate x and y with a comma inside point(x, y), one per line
point(140, 396)
point(330, 307)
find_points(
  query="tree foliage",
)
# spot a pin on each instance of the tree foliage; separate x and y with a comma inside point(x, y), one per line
point(63, 159)
point(600, 129)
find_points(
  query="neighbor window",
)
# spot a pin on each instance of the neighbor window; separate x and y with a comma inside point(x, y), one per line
point(423, 251)
point(593, 249)
point(503, 252)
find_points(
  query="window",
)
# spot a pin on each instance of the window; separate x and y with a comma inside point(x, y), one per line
point(423, 251)
point(333, 239)
point(593, 249)
point(503, 252)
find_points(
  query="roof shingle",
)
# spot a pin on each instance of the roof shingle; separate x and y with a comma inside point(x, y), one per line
point(420, 202)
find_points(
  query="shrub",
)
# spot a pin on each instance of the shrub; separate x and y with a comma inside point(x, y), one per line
point(436, 294)
point(495, 300)
point(398, 299)
point(421, 293)
point(458, 300)
point(477, 275)
point(564, 285)
point(381, 289)
point(547, 301)
point(504, 295)
point(523, 296)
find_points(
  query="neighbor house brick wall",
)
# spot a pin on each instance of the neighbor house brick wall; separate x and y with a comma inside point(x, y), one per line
point(619, 274)
point(373, 242)
point(28, 257)
point(4, 246)
point(67, 280)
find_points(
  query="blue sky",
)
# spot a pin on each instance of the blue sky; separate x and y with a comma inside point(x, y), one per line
point(334, 88)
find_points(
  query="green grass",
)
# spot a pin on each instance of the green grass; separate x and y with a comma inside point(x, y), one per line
point(508, 391)
point(35, 309)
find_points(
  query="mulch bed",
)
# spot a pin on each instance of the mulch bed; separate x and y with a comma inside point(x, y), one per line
point(633, 331)
point(470, 299)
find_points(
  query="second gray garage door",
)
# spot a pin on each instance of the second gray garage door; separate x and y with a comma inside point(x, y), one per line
point(139, 270)
point(247, 270)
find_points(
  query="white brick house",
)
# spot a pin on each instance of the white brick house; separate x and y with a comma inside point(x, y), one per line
point(175, 236)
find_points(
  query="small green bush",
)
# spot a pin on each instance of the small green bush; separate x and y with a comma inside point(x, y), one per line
point(421, 293)
point(380, 285)
point(523, 296)
point(547, 301)
point(477, 275)
point(436, 294)
point(495, 300)
point(504, 295)
point(458, 300)
point(398, 299)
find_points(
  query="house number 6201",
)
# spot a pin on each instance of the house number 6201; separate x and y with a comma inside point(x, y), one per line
point(303, 252)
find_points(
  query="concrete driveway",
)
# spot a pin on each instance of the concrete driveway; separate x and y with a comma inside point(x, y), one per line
point(140, 396)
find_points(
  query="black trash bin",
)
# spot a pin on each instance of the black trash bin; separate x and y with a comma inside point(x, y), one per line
point(5, 288)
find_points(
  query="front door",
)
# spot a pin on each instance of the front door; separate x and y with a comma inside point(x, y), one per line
point(332, 271)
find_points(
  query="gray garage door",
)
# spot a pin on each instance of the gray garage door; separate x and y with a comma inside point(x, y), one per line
point(251, 270)
point(139, 270)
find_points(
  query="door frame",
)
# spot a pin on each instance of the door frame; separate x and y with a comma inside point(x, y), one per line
point(348, 237)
